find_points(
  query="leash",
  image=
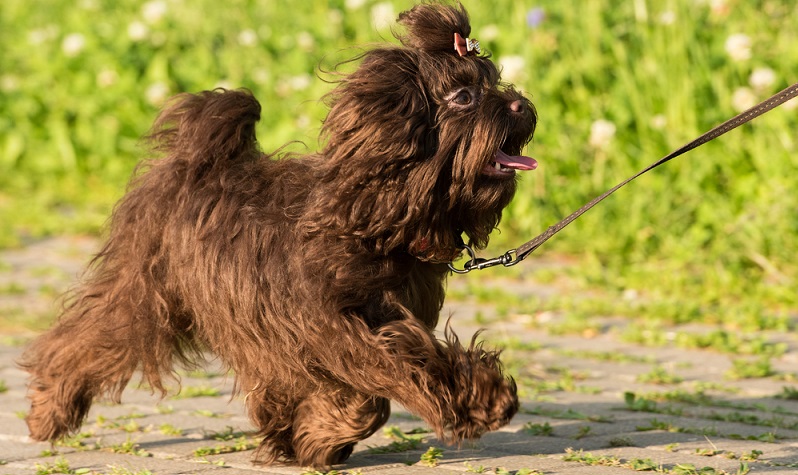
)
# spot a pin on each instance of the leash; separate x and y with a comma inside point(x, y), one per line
point(514, 256)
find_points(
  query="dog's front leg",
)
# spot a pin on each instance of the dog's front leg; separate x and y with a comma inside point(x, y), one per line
point(461, 392)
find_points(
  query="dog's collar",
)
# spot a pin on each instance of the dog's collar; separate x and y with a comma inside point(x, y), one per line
point(425, 252)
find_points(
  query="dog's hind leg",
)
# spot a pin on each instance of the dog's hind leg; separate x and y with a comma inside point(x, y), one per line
point(271, 409)
point(94, 349)
point(319, 429)
point(69, 366)
point(328, 424)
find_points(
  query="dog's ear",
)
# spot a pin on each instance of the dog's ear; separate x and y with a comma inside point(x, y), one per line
point(432, 27)
point(380, 113)
point(380, 164)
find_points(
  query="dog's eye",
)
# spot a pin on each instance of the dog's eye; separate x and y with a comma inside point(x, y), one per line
point(463, 98)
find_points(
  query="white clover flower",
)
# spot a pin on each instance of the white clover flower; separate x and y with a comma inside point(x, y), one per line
point(154, 11)
point(719, 7)
point(248, 37)
point(743, 98)
point(9, 83)
point(300, 82)
point(305, 41)
point(489, 33)
point(137, 31)
point(512, 68)
point(157, 93)
point(303, 121)
point(38, 36)
point(601, 133)
point(107, 77)
point(261, 75)
point(670, 336)
point(73, 44)
point(762, 78)
point(335, 17)
point(659, 122)
point(354, 4)
point(545, 316)
point(89, 4)
point(630, 295)
point(738, 47)
point(667, 18)
point(382, 15)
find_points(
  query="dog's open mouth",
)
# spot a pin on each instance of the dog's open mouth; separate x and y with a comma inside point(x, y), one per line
point(504, 164)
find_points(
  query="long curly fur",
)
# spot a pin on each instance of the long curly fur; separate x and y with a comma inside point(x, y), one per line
point(317, 279)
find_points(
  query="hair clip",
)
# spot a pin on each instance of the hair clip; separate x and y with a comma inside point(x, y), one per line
point(463, 46)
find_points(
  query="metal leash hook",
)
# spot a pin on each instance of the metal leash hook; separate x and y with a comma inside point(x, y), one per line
point(476, 263)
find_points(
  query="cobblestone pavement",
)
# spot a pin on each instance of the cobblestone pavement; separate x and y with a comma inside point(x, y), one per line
point(586, 407)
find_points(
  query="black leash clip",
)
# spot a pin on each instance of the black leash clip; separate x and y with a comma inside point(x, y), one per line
point(476, 263)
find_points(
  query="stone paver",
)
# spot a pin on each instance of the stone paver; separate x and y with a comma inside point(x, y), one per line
point(581, 407)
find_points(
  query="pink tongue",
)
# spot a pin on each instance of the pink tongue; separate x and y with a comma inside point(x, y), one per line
point(516, 163)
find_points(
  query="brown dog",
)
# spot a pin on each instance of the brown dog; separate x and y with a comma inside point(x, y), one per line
point(317, 279)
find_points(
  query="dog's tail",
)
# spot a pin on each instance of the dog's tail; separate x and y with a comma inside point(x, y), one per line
point(208, 128)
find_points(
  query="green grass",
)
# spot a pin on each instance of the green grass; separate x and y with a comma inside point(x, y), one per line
point(621, 441)
point(536, 429)
point(746, 369)
point(788, 392)
point(568, 414)
point(12, 288)
point(755, 415)
point(126, 423)
point(189, 392)
point(128, 447)
point(78, 442)
point(169, 429)
point(116, 470)
point(659, 375)
point(647, 465)
point(209, 413)
point(470, 468)
point(241, 444)
point(605, 356)
point(403, 441)
point(228, 434)
point(332, 472)
point(432, 457)
point(61, 465)
point(708, 237)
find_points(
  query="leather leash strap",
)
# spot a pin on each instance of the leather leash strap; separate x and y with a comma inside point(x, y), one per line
point(514, 256)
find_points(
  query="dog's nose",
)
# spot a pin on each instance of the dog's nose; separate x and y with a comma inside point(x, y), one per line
point(517, 106)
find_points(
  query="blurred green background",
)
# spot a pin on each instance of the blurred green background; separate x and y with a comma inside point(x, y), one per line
point(617, 84)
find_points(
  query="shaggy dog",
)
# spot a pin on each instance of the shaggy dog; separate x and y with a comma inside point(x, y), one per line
point(318, 279)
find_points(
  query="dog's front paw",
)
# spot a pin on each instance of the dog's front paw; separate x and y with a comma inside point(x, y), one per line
point(486, 399)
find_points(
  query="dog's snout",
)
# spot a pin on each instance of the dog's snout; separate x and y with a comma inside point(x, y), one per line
point(517, 106)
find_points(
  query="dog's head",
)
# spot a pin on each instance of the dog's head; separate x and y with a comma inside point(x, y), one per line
point(423, 141)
